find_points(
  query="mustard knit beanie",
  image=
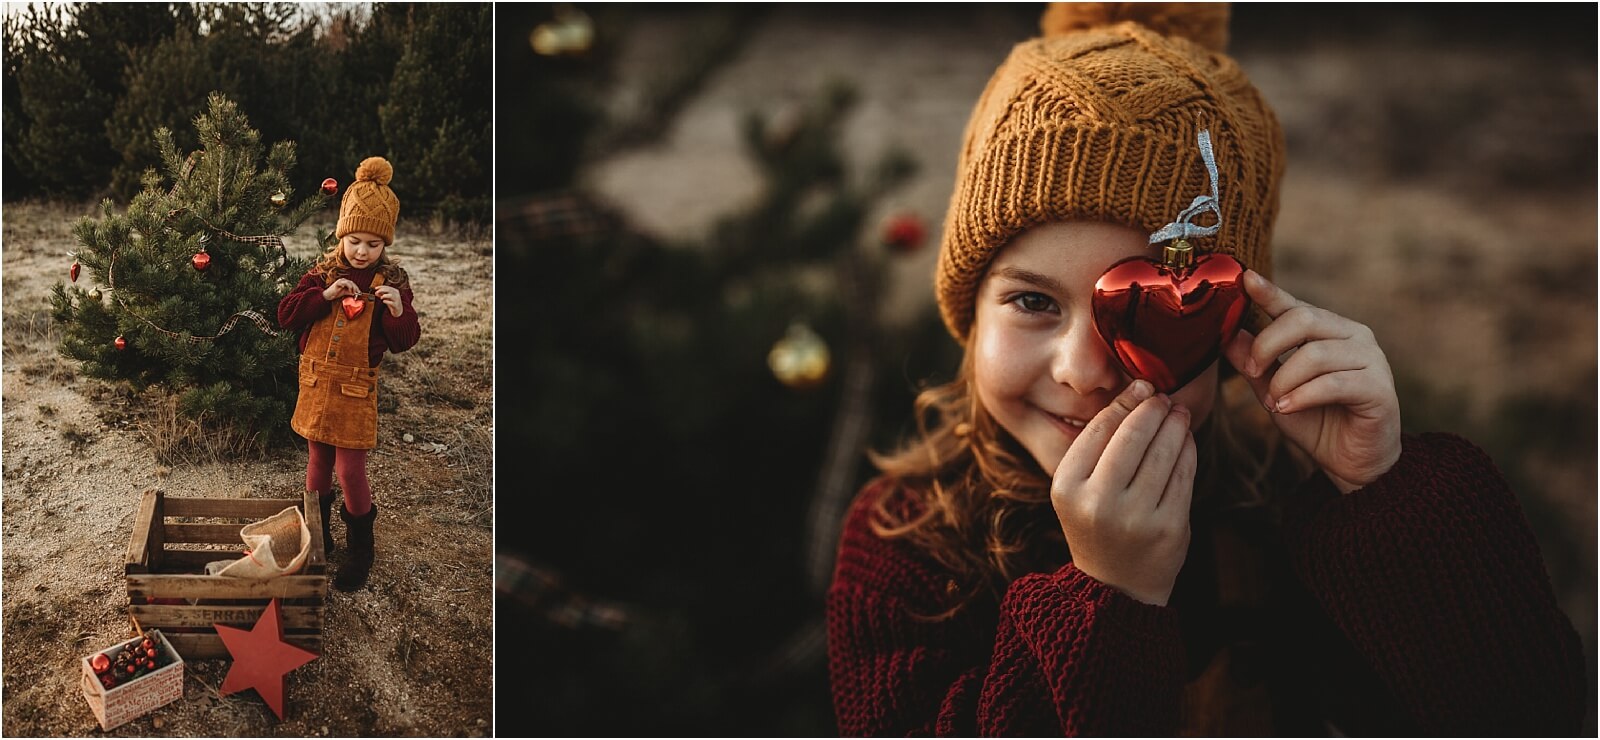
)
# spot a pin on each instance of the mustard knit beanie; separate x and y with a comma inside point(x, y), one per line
point(369, 205)
point(1097, 121)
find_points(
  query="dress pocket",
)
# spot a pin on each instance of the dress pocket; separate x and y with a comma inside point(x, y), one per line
point(353, 390)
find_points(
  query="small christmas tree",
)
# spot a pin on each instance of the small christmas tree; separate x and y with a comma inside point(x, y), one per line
point(181, 291)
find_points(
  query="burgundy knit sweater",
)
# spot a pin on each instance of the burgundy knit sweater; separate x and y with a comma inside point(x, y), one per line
point(305, 304)
point(1416, 605)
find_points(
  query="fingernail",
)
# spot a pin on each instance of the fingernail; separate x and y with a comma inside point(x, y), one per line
point(1141, 390)
point(1179, 408)
point(1283, 405)
point(1270, 404)
point(1250, 367)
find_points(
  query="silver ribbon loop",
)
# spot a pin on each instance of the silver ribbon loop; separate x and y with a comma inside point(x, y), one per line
point(1184, 227)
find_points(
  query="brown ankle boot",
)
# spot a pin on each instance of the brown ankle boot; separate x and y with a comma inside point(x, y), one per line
point(325, 500)
point(358, 557)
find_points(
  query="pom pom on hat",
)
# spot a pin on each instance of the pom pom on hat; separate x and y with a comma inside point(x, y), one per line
point(375, 169)
point(1203, 23)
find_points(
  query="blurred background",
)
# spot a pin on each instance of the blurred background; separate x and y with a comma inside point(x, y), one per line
point(716, 229)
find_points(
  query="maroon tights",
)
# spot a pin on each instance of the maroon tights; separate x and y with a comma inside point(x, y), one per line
point(352, 468)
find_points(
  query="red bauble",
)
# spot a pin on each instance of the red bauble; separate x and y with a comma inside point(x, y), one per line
point(905, 233)
point(100, 663)
point(74, 271)
point(330, 186)
point(201, 260)
point(1166, 323)
point(121, 343)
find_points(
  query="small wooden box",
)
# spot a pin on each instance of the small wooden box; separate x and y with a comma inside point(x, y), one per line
point(168, 588)
point(114, 706)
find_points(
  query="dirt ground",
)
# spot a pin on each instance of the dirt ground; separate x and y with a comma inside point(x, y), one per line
point(410, 654)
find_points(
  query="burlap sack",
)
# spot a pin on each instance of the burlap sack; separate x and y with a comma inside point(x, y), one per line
point(278, 546)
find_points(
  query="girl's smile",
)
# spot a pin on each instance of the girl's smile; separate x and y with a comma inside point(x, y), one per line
point(1039, 365)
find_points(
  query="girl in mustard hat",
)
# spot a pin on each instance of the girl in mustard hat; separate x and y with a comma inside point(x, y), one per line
point(1121, 520)
point(349, 309)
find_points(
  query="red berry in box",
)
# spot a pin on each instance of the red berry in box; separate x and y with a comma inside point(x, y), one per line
point(150, 663)
point(150, 652)
point(147, 644)
point(108, 681)
point(100, 663)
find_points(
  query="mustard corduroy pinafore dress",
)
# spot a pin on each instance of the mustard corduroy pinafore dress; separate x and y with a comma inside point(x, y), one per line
point(338, 393)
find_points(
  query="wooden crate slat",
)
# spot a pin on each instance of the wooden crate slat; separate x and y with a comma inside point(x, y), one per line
point(203, 646)
point(223, 587)
point(294, 617)
point(316, 560)
point(217, 534)
point(140, 544)
point(251, 509)
point(195, 560)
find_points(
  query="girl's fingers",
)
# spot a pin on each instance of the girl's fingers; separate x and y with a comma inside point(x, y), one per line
point(1353, 388)
point(1128, 445)
point(1157, 467)
point(1179, 491)
point(1313, 359)
point(1293, 328)
point(1271, 298)
point(1237, 352)
point(1090, 445)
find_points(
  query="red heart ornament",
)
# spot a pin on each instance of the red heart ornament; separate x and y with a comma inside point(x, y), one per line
point(1167, 324)
point(353, 307)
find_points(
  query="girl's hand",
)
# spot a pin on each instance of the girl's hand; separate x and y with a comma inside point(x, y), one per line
point(1333, 396)
point(1122, 494)
point(390, 298)
point(340, 288)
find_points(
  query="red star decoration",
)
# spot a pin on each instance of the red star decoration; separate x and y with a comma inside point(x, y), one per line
point(261, 658)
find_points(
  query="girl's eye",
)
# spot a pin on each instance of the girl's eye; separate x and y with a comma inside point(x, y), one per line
point(1033, 303)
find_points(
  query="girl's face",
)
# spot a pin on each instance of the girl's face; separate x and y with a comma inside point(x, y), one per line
point(362, 249)
point(1039, 365)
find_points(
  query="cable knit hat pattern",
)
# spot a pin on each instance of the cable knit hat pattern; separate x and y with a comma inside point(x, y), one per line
point(369, 205)
point(1096, 121)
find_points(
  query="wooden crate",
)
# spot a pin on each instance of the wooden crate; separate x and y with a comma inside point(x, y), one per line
point(115, 706)
point(168, 588)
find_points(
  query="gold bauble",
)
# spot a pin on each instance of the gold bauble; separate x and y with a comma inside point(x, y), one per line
point(278, 199)
point(570, 33)
point(800, 359)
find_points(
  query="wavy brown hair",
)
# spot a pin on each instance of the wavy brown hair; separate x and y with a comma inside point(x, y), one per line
point(332, 266)
point(984, 508)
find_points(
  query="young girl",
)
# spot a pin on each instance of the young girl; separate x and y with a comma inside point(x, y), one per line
point(1064, 550)
point(350, 308)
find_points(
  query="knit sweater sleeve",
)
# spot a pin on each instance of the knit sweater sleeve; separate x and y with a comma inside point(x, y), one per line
point(401, 332)
point(1069, 655)
point(304, 305)
point(1433, 574)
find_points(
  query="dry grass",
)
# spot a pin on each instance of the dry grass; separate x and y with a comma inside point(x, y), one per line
point(176, 439)
point(472, 456)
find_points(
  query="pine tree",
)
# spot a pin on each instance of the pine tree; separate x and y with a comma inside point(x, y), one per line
point(207, 335)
